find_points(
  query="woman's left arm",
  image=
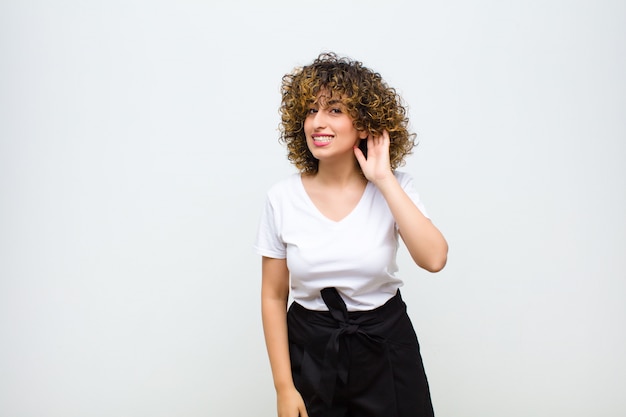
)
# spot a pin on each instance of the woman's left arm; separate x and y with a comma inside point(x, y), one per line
point(424, 241)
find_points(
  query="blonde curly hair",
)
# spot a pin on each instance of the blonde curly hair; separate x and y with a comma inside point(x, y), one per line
point(370, 102)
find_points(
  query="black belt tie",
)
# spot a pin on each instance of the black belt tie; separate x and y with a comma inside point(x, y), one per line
point(332, 368)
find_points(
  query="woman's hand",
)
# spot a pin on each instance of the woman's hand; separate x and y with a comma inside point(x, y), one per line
point(425, 243)
point(290, 404)
point(377, 166)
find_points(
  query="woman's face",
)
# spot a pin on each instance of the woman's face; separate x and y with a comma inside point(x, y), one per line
point(329, 129)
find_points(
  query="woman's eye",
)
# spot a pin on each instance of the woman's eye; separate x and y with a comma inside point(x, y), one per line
point(312, 111)
point(335, 110)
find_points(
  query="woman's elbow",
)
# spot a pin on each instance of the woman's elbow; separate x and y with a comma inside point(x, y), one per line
point(436, 265)
point(435, 262)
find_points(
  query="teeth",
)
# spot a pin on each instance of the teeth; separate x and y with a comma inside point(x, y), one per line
point(323, 138)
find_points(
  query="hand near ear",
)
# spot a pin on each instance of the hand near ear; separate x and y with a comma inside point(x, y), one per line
point(376, 167)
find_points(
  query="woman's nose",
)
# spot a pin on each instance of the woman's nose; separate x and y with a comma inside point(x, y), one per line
point(319, 120)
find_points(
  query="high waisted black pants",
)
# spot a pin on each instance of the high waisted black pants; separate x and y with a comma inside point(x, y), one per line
point(357, 364)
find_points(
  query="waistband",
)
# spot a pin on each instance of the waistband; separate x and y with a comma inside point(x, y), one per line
point(395, 303)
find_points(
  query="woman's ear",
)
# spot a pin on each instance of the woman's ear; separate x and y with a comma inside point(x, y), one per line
point(363, 134)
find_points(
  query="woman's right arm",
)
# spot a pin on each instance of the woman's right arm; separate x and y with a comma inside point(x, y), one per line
point(274, 295)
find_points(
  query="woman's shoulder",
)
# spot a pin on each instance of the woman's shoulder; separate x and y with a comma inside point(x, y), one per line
point(285, 186)
point(403, 177)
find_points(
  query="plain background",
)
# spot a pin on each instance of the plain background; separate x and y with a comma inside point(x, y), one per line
point(138, 139)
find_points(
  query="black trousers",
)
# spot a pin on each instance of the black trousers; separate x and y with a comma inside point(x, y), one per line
point(357, 364)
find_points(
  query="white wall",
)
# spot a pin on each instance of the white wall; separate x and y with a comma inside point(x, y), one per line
point(137, 140)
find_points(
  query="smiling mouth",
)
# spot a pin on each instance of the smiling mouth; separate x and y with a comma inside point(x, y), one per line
point(322, 139)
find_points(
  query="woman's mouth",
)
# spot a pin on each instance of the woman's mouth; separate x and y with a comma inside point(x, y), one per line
point(322, 140)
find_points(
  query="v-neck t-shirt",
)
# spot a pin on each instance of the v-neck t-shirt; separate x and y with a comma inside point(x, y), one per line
point(356, 255)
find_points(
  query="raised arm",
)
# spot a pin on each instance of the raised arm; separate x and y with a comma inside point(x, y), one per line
point(274, 294)
point(424, 241)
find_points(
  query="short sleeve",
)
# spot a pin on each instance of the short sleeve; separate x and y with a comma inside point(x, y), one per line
point(268, 241)
point(408, 185)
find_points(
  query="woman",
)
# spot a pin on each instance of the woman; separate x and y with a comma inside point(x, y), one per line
point(329, 236)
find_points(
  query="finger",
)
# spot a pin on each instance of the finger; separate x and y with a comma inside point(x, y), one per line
point(385, 137)
point(379, 142)
point(358, 153)
point(371, 141)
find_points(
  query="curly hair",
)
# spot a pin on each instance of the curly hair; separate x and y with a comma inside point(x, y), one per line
point(370, 102)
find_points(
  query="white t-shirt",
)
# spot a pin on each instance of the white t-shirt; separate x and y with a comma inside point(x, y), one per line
point(356, 255)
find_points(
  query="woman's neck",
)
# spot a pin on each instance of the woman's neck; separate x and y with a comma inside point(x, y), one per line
point(339, 174)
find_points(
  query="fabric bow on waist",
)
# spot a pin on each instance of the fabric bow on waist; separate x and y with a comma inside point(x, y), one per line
point(332, 368)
